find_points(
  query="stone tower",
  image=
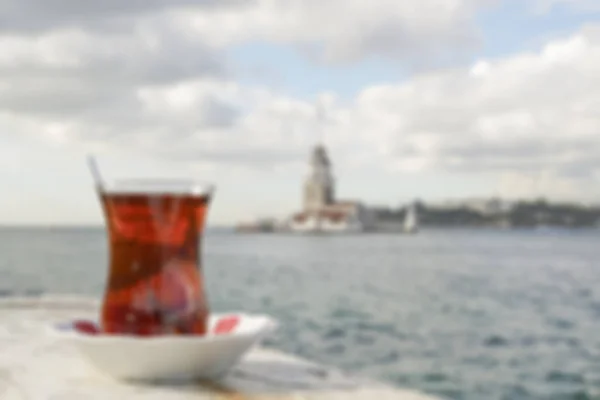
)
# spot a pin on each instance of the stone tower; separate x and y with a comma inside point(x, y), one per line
point(319, 185)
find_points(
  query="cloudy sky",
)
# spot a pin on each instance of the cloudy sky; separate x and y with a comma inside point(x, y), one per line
point(430, 99)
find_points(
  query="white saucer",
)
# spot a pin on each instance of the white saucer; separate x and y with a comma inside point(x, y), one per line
point(170, 357)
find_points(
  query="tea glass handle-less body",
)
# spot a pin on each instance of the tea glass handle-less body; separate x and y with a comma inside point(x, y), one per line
point(155, 283)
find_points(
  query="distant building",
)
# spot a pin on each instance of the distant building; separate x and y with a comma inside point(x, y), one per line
point(321, 212)
point(484, 206)
point(262, 225)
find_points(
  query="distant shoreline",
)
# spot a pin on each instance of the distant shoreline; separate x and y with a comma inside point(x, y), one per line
point(422, 229)
point(232, 229)
point(491, 214)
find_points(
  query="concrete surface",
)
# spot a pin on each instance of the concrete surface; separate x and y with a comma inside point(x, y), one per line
point(35, 365)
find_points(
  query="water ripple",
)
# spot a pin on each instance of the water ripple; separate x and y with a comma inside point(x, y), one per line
point(470, 315)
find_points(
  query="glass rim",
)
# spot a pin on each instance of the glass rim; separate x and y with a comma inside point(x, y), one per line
point(157, 186)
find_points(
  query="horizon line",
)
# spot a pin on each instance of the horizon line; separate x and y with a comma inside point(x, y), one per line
point(82, 225)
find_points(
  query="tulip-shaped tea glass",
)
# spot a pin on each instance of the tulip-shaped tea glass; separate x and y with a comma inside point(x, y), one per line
point(155, 281)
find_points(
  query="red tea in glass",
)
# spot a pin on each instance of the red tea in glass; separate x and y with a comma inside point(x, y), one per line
point(155, 284)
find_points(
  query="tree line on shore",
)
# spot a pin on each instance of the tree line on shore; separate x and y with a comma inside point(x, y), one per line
point(521, 214)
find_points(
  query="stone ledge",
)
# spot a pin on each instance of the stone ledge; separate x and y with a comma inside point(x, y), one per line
point(37, 366)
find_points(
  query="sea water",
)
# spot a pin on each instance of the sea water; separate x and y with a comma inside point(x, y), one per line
point(465, 314)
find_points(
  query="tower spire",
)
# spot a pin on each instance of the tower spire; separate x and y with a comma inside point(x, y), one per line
point(321, 122)
point(319, 185)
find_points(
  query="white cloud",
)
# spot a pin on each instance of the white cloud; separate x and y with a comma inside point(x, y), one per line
point(529, 115)
point(29, 16)
point(161, 86)
point(543, 184)
point(544, 6)
point(420, 33)
point(87, 72)
point(344, 30)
